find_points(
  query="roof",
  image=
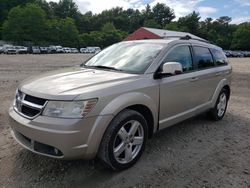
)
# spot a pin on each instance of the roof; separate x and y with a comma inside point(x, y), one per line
point(168, 33)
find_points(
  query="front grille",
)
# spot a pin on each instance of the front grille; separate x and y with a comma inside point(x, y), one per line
point(35, 100)
point(29, 111)
point(28, 106)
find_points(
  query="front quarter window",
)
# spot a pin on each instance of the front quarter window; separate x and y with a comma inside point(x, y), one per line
point(131, 57)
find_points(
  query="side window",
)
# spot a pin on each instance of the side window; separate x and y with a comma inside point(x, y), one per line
point(203, 57)
point(181, 54)
point(219, 57)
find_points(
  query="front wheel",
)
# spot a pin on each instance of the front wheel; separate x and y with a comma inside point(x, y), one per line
point(219, 110)
point(124, 141)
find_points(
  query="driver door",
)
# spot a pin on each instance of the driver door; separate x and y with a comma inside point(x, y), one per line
point(177, 92)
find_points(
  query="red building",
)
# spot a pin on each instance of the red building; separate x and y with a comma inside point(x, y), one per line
point(152, 33)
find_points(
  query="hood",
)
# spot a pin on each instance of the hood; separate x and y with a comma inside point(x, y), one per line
point(68, 83)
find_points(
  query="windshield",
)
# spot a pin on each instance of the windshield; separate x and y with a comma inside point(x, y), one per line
point(131, 57)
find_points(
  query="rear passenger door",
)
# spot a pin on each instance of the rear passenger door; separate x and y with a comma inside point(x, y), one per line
point(207, 80)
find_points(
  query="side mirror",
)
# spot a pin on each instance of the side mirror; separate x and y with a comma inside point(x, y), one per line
point(171, 68)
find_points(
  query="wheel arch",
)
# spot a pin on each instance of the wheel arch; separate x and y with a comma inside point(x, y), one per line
point(134, 101)
point(147, 114)
point(227, 88)
point(223, 84)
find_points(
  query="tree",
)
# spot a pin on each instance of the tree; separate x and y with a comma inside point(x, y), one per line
point(163, 14)
point(25, 24)
point(151, 23)
point(107, 36)
point(172, 26)
point(108, 27)
point(190, 23)
point(7, 5)
point(66, 8)
point(62, 32)
point(241, 37)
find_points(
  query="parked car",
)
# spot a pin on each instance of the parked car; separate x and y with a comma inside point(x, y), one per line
point(1, 49)
point(83, 50)
point(228, 53)
point(93, 49)
point(97, 50)
point(43, 49)
point(110, 105)
point(66, 50)
point(74, 50)
point(35, 50)
point(246, 54)
point(21, 49)
point(236, 54)
point(52, 49)
point(9, 50)
point(59, 49)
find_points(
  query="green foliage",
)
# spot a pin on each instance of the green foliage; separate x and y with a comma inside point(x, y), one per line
point(108, 27)
point(42, 22)
point(172, 26)
point(241, 37)
point(62, 32)
point(163, 14)
point(109, 35)
point(25, 24)
point(190, 23)
point(151, 23)
point(7, 5)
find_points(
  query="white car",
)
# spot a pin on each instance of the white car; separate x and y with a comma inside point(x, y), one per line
point(66, 50)
point(35, 50)
point(21, 49)
point(1, 49)
point(93, 50)
point(9, 50)
point(83, 50)
point(59, 49)
point(74, 50)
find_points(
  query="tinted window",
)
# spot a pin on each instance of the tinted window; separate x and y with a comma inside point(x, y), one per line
point(181, 54)
point(203, 57)
point(219, 57)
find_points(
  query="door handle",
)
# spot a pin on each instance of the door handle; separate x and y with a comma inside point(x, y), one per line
point(194, 79)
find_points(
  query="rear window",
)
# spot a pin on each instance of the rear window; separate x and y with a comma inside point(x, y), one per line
point(203, 57)
point(219, 57)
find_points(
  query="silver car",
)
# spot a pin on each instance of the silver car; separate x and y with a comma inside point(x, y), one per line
point(110, 105)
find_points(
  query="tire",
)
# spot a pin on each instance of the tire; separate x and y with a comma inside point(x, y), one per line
point(128, 143)
point(219, 110)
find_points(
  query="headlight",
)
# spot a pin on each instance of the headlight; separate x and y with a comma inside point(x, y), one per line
point(69, 109)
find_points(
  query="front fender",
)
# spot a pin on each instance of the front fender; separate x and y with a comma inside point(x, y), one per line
point(129, 99)
point(112, 109)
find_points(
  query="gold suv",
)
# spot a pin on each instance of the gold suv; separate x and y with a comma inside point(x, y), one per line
point(110, 105)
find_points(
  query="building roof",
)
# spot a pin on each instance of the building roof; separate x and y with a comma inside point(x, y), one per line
point(152, 33)
point(168, 34)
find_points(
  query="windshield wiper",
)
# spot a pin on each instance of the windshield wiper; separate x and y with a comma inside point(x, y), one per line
point(102, 67)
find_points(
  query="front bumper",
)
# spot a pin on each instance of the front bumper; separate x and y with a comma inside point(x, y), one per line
point(58, 137)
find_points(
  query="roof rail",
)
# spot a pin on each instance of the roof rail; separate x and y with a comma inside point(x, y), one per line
point(188, 37)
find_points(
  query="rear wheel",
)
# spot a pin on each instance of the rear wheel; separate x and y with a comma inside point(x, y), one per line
point(219, 110)
point(124, 141)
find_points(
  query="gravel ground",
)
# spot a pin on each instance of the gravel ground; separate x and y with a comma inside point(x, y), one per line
point(194, 153)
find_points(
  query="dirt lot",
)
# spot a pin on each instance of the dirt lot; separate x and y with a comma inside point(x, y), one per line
point(194, 153)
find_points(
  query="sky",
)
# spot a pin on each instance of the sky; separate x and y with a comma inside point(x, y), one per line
point(238, 10)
